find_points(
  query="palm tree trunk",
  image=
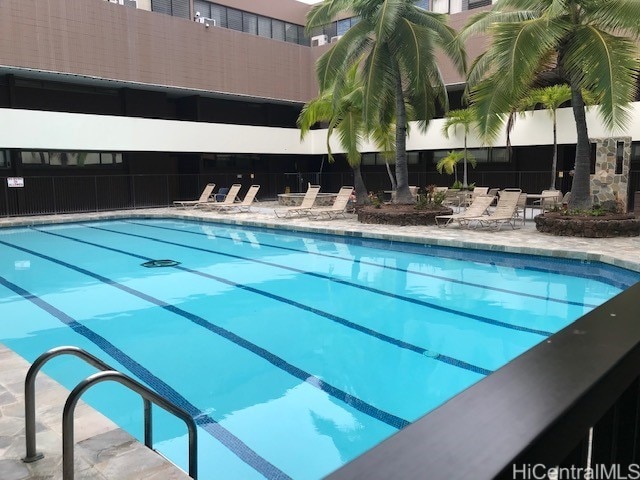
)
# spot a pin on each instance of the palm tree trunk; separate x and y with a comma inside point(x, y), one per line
point(362, 195)
point(392, 179)
point(554, 162)
point(581, 188)
point(403, 195)
point(464, 165)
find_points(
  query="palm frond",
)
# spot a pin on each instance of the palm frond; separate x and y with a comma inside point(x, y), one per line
point(331, 64)
point(378, 74)
point(320, 109)
point(615, 16)
point(607, 66)
point(324, 12)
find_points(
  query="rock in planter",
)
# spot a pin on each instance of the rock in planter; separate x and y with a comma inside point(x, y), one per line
point(618, 225)
point(400, 215)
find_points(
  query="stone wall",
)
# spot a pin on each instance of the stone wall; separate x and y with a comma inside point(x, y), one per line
point(606, 184)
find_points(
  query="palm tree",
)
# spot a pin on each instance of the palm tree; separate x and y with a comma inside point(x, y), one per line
point(551, 98)
point(587, 44)
point(449, 164)
point(344, 116)
point(394, 42)
point(460, 118)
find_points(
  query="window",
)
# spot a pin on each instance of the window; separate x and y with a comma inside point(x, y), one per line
point(277, 30)
point(594, 148)
point(70, 159)
point(424, 4)
point(5, 161)
point(202, 7)
point(219, 14)
point(290, 33)
point(412, 158)
point(234, 19)
point(264, 27)
point(619, 157)
point(343, 26)
point(368, 159)
point(249, 23)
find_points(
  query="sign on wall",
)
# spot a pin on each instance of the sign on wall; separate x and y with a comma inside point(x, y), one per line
point(15, 182)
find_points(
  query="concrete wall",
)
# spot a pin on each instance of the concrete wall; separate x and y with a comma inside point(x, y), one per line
point(29, 129)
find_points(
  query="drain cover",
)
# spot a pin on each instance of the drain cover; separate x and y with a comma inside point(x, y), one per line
point(160, 263)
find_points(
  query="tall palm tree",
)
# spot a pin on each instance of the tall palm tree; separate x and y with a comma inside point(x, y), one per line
point(464, 118)
point(550, 98)
point(588, 44)
point(395, 43)
point(344, 117)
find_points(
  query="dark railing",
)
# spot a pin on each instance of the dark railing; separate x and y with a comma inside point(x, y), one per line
point(570, 403)
point(75, 194)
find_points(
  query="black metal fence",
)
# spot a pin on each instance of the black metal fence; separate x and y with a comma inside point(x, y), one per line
point(74, 194)
point(568, 408)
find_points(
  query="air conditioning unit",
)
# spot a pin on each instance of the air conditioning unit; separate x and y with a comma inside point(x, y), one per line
point(336, 38)
point(319, 40)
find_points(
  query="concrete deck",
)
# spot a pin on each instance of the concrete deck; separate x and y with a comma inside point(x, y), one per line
point(103, 451)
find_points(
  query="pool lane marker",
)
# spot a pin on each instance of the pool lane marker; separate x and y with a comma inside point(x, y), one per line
point(205, 421)
point(334, 318)
point(354, 402)
point(388, 267)
point(377, 291)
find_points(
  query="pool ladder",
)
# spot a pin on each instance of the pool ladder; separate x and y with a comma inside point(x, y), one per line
point(107, 374)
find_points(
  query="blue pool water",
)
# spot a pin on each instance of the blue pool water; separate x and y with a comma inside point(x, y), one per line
point(295, 353)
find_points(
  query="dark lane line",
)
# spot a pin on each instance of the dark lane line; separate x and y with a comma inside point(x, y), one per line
point(364, 262)
point(209, 424)
point(321, 313)
point(415, 301)
point(280, 363)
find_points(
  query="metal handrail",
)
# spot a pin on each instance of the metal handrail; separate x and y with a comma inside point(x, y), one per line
point(148, 396)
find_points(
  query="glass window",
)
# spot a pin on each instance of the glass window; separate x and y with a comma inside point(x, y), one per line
point(5, 162)
point(413, 158)
point(499, 155)
point(88, 158)
point(264, 27)
point(219, 14)
point(343, 26)
point(290, 33)
point(249, 23)
point(480, 154)
point(110, 158)
point(424, 4)
point(331, 30)
point(277, 30)
point(202, 7)
point(35, 158)
point(302, 39)
point(368, 159)
point(234, 19)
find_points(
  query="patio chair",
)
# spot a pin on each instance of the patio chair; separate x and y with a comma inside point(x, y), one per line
point(246, 203)
point(228, 200)
point(204, 198)
point(477, 208)
point(338, 209)
point(304, 208)
point(221, 195)
point(549, 199)
point(505, 211)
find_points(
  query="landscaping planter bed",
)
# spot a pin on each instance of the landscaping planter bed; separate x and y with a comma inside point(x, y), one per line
point(620, 225)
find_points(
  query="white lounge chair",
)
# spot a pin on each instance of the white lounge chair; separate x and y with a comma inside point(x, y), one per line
point(304, 208)
point(505, 212)
point(243, 206)
point(338, 209)
point(204, 198)
point(477, 208)
point(228, 200)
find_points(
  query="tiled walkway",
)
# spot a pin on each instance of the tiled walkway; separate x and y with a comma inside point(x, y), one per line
point(103, 451)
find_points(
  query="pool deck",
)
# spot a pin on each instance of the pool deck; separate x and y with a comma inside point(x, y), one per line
point(103, 451)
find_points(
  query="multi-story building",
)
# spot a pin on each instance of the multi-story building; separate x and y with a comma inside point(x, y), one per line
point(103, 105)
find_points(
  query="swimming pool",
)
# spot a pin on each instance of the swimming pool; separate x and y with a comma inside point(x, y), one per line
point(294, 352)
